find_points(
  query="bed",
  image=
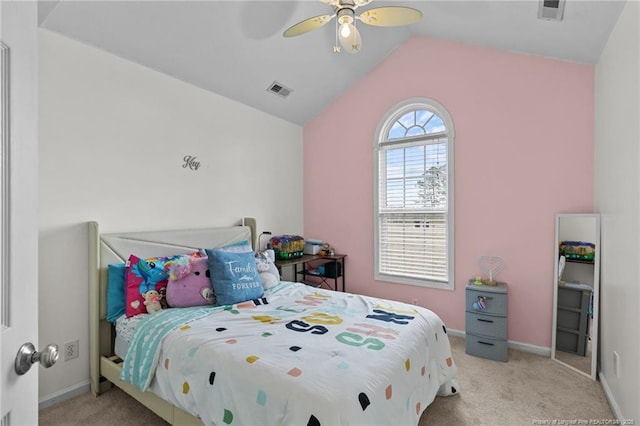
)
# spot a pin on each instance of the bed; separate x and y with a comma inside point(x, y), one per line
point(296, 355)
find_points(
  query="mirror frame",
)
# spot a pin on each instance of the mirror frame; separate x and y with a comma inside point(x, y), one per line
point(596, 294)
point(5, 316)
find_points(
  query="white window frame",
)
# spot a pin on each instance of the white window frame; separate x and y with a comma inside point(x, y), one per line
point(382, 130)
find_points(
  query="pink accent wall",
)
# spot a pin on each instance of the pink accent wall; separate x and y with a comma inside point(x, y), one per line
point(523, 152)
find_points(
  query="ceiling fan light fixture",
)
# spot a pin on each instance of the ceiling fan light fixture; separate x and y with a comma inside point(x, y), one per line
point(352, 42)
point(345, 31)
point(346, 15)
point(345, 18)
point(348, 34)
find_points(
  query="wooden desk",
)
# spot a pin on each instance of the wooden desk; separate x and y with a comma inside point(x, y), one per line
point(310, 263)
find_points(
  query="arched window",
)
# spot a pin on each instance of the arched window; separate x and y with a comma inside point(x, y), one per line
point(414, 195)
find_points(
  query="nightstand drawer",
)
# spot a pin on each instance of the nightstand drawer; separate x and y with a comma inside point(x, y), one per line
point(486, 325)
point(486, 347)
point(495, 303)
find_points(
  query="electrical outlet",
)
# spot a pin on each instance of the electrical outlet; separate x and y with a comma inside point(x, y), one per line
point(616, 364)
point(71, 350)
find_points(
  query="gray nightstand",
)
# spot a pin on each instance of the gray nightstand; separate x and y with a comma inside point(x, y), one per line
point(486, 328)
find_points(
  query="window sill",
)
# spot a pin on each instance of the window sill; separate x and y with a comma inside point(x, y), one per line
point(394, 279)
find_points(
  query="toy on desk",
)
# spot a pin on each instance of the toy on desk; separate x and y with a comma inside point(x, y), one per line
point(287, 246)
point(480, 304)
point(312, 246)
point(491, 266)
point(326, 250)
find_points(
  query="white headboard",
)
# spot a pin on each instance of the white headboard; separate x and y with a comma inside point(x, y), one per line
point(106, 249)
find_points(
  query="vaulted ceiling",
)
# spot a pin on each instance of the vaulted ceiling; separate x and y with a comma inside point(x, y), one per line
point(236, 48)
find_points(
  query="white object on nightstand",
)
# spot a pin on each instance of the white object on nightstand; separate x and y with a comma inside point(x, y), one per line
point(491, 265)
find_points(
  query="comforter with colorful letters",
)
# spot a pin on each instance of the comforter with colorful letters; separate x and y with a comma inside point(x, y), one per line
point(298, 356)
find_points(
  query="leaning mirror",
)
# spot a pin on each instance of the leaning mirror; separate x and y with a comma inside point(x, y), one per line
point(576, 292)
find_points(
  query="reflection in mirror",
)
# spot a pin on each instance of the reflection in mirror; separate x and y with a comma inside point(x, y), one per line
point(576, 292)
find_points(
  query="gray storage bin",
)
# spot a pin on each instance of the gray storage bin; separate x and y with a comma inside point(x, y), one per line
point(567, 341)
point(486, 325)
point(569, 297)
point(572, 321)
point(568, 319)
point(486, 347)
point(496, 302)
point(486, 329)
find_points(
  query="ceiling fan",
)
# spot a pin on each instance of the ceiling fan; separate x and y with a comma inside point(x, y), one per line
point(345, 13)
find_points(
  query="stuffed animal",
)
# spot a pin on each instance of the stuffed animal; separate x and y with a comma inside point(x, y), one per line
point(267, 270)
point(190, 283)
point(268, 279)
point(152, 301)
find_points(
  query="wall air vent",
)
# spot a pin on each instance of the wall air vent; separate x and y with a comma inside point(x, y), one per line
point(279, 89)
point(551, 10)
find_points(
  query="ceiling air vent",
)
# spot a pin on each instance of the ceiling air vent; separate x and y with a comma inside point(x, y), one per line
point(279, 89)
point(551, 10)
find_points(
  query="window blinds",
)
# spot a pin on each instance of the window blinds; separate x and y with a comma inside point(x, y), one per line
point(413, 208)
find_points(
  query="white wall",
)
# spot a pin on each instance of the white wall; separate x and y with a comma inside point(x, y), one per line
point(617, 197)
point(113, 136)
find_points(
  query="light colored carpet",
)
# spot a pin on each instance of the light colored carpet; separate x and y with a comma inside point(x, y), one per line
point(518, 392)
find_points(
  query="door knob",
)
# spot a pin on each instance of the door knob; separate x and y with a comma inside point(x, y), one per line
point(27, 355)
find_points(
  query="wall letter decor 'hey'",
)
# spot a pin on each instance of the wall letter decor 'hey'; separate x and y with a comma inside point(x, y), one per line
point(190, 162)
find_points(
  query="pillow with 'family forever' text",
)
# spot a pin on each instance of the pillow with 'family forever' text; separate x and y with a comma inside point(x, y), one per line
point(234, 276)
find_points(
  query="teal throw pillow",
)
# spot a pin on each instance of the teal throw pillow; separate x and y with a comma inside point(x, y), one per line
point(115, 291)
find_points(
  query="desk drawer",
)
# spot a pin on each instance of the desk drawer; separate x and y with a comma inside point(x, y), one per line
point(486, 347)
point(486, 325)
point(496, 303)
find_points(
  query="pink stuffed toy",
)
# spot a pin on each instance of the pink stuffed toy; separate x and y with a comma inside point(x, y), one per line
point(190, 283)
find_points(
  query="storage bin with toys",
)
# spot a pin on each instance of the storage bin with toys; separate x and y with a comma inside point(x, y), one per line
point(287, 246)
point(578, 250)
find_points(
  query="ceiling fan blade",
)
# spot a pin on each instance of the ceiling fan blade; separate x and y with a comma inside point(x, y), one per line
point(307, 25)
point(390, 16)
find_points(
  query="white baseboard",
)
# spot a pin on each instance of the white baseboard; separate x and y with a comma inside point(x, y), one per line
point(525, 347)
point(534, 349)
point(612, 401)
point(64, 394)
point(455, 333)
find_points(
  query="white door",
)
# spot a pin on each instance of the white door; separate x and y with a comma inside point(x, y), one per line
point(19, 251)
